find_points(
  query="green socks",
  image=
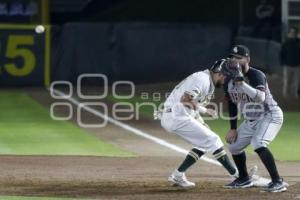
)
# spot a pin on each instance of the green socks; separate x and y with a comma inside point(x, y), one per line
point(222, 157)
point(190, 159)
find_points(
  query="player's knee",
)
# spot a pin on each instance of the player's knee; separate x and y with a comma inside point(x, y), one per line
point(260, 150)
point(219, 153)
point(197, 153)
point(257, 143)
point(218, 150)
point(234, 149)
point(216, 140)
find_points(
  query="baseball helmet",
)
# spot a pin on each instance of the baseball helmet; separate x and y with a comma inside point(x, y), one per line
point(221, 66)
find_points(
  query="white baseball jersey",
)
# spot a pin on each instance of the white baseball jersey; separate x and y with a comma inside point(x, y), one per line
point(199, 85)
point(180, 120)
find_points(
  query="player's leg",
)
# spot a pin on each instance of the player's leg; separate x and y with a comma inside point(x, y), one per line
point(215, 146)
point(206, 141)
point(267, 129)
point(264, 153)
point(178, 176)
point(239, 156)
point(190, 130)
point(192, 157)
point(221, 156)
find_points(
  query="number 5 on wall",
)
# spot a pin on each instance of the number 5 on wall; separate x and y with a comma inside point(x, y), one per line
point(15, 48)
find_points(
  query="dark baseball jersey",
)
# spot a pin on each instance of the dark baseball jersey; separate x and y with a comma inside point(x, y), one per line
point(250, 109)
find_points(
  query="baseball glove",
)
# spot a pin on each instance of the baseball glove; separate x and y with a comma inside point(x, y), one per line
point(234, 70)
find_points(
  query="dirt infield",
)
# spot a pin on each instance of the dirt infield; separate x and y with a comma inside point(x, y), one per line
point(141, 177)
point(114, 178)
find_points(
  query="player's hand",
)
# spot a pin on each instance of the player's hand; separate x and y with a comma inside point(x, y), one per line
point(211, 113)
point(238, 76)
point(238, 83)
point(231, 136)
point(235, 71)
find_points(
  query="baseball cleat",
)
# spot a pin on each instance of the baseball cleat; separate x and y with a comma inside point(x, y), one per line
point(179, 179)
point(285, 184)
point(239, 183)
point(278, 186)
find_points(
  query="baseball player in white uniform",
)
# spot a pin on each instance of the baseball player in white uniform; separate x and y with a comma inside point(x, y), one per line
point(181, 116)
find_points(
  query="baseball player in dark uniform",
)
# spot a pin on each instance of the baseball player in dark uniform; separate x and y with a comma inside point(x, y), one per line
point(247, 91)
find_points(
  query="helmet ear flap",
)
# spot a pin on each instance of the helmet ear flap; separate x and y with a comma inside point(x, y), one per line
point(225, 69)
point(217, 67)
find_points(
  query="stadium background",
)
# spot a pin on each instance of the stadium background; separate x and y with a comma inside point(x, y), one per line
point(154, 45)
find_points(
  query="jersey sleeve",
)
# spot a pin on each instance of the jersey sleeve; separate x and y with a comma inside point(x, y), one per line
point(225, 87)
point(258, 80)
point(233, 113)
point(197, 87)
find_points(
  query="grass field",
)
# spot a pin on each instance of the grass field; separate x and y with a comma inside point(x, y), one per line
point(27, 129)
point(285, 147)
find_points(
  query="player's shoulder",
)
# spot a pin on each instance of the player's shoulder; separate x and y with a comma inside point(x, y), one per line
point(201, 75)
point(256, 78)
point(254, 73)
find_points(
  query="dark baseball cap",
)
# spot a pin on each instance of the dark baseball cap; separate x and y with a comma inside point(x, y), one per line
point(239, 51)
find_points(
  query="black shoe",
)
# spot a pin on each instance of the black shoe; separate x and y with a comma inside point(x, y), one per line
point(278, 186)
point(239, 183)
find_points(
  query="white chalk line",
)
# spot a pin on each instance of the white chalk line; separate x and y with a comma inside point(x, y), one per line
point(132, 129)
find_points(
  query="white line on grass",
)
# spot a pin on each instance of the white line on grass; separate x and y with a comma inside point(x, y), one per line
point(132, 129)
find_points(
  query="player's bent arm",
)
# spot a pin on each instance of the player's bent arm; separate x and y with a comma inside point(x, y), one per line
point(188, 101)
point(201, 109)
point(256, 94)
